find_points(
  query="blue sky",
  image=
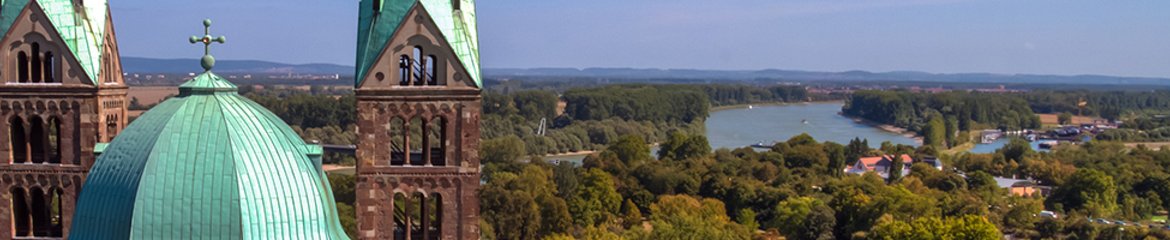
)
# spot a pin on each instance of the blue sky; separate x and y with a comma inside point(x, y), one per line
point(1128, 38)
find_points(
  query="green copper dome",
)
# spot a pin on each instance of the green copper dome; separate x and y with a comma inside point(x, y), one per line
point(208, 164)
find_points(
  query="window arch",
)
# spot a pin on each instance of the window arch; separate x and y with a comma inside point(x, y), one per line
point(404, 70)
point(40, 213)
point(397, 142)
point(22, 217)
point(111, 127)
point(435, 217)
point(22, 67)
point(416, 141)
point(18, 141)
point(416, 67)
point(54, 140)
point(437, 141)
point(56, 217)
point(417, 222)
point(49, 66)
point(37, 141)
point(36, 70)
point(400, 214)
point(429, 62)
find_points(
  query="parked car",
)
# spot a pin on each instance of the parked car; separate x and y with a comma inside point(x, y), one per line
point(1048, 214)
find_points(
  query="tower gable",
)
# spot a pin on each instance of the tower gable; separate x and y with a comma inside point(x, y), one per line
point(417, 54)
point(111, 62)
point(33, 29)
point(379, 20)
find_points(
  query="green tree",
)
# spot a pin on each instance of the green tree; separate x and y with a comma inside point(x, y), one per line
point(680, 146)
point(631, 216)
point(837, 158)
point(895, 170)
point(929, 228)
point(804, 218)
point(1090, 190)
point(502, 150)
point(630, 149)
point(935, 133)
point(747, 218)
point(554, 215)
point(684, 217)
point(513, 214)
point(1064, 118)
point(597, 199)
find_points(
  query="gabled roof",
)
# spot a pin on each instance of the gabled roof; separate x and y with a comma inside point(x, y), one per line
point(82, 28)
point(377, 25)
point(871, 162)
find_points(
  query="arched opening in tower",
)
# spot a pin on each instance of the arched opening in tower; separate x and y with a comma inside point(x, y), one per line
point(19, 144)
point(37, 139)
point(437, 141)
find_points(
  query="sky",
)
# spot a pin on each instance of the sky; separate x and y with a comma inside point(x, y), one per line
point(1066, 37)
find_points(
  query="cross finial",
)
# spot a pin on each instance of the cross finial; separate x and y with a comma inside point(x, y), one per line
point(208, 61)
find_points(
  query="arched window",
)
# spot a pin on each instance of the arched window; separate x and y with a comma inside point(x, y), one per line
point(36, 64)
point(22, 218)
point(56, 218)
point(430, 70)
point(37, 141)
point(456, 5)
point(50, 64)
point(22, 66)
point(416, 141)
point(111, 127)
point(397, 142)
point(54, 140)
point(417, 222)
point(400, 215)
point(18, 140)
point(435, 217)
point(40, 213)
point(437, 141)
point(404, 70)
point(416, 67)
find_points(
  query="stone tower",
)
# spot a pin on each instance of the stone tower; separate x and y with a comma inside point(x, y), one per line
point(61, 93)
point(418, 91)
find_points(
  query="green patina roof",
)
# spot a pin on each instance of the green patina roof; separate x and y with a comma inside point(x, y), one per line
point(208, 164)
point(82, 28)
point(458, 27)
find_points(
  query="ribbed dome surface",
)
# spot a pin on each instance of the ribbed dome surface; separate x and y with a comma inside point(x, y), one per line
point(208, 164)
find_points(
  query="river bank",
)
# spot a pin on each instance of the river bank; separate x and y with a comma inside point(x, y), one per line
point(743, 106)
point(889, 128)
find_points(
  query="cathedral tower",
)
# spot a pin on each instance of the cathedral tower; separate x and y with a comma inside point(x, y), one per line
point(418, 90)
point(61, 93)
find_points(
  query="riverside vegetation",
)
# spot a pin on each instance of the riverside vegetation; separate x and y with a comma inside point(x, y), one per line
point(795, 189)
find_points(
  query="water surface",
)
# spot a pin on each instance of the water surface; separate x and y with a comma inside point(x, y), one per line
point(736, 128)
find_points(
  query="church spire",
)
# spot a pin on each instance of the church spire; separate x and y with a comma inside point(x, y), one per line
point(208, 61)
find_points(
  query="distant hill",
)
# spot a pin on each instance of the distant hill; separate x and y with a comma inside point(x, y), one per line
point(180, 66)
point(633, 73)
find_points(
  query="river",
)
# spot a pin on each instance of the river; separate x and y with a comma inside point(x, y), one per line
point(736, 128)
point(742, 127)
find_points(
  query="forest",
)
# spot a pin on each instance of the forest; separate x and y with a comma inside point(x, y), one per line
point(795, 190)
point(970, 111)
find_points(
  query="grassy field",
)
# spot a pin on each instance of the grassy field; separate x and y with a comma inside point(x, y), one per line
point(1151, 145)
point(1159, 219)
point(151, 95)
point(1051, 119)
